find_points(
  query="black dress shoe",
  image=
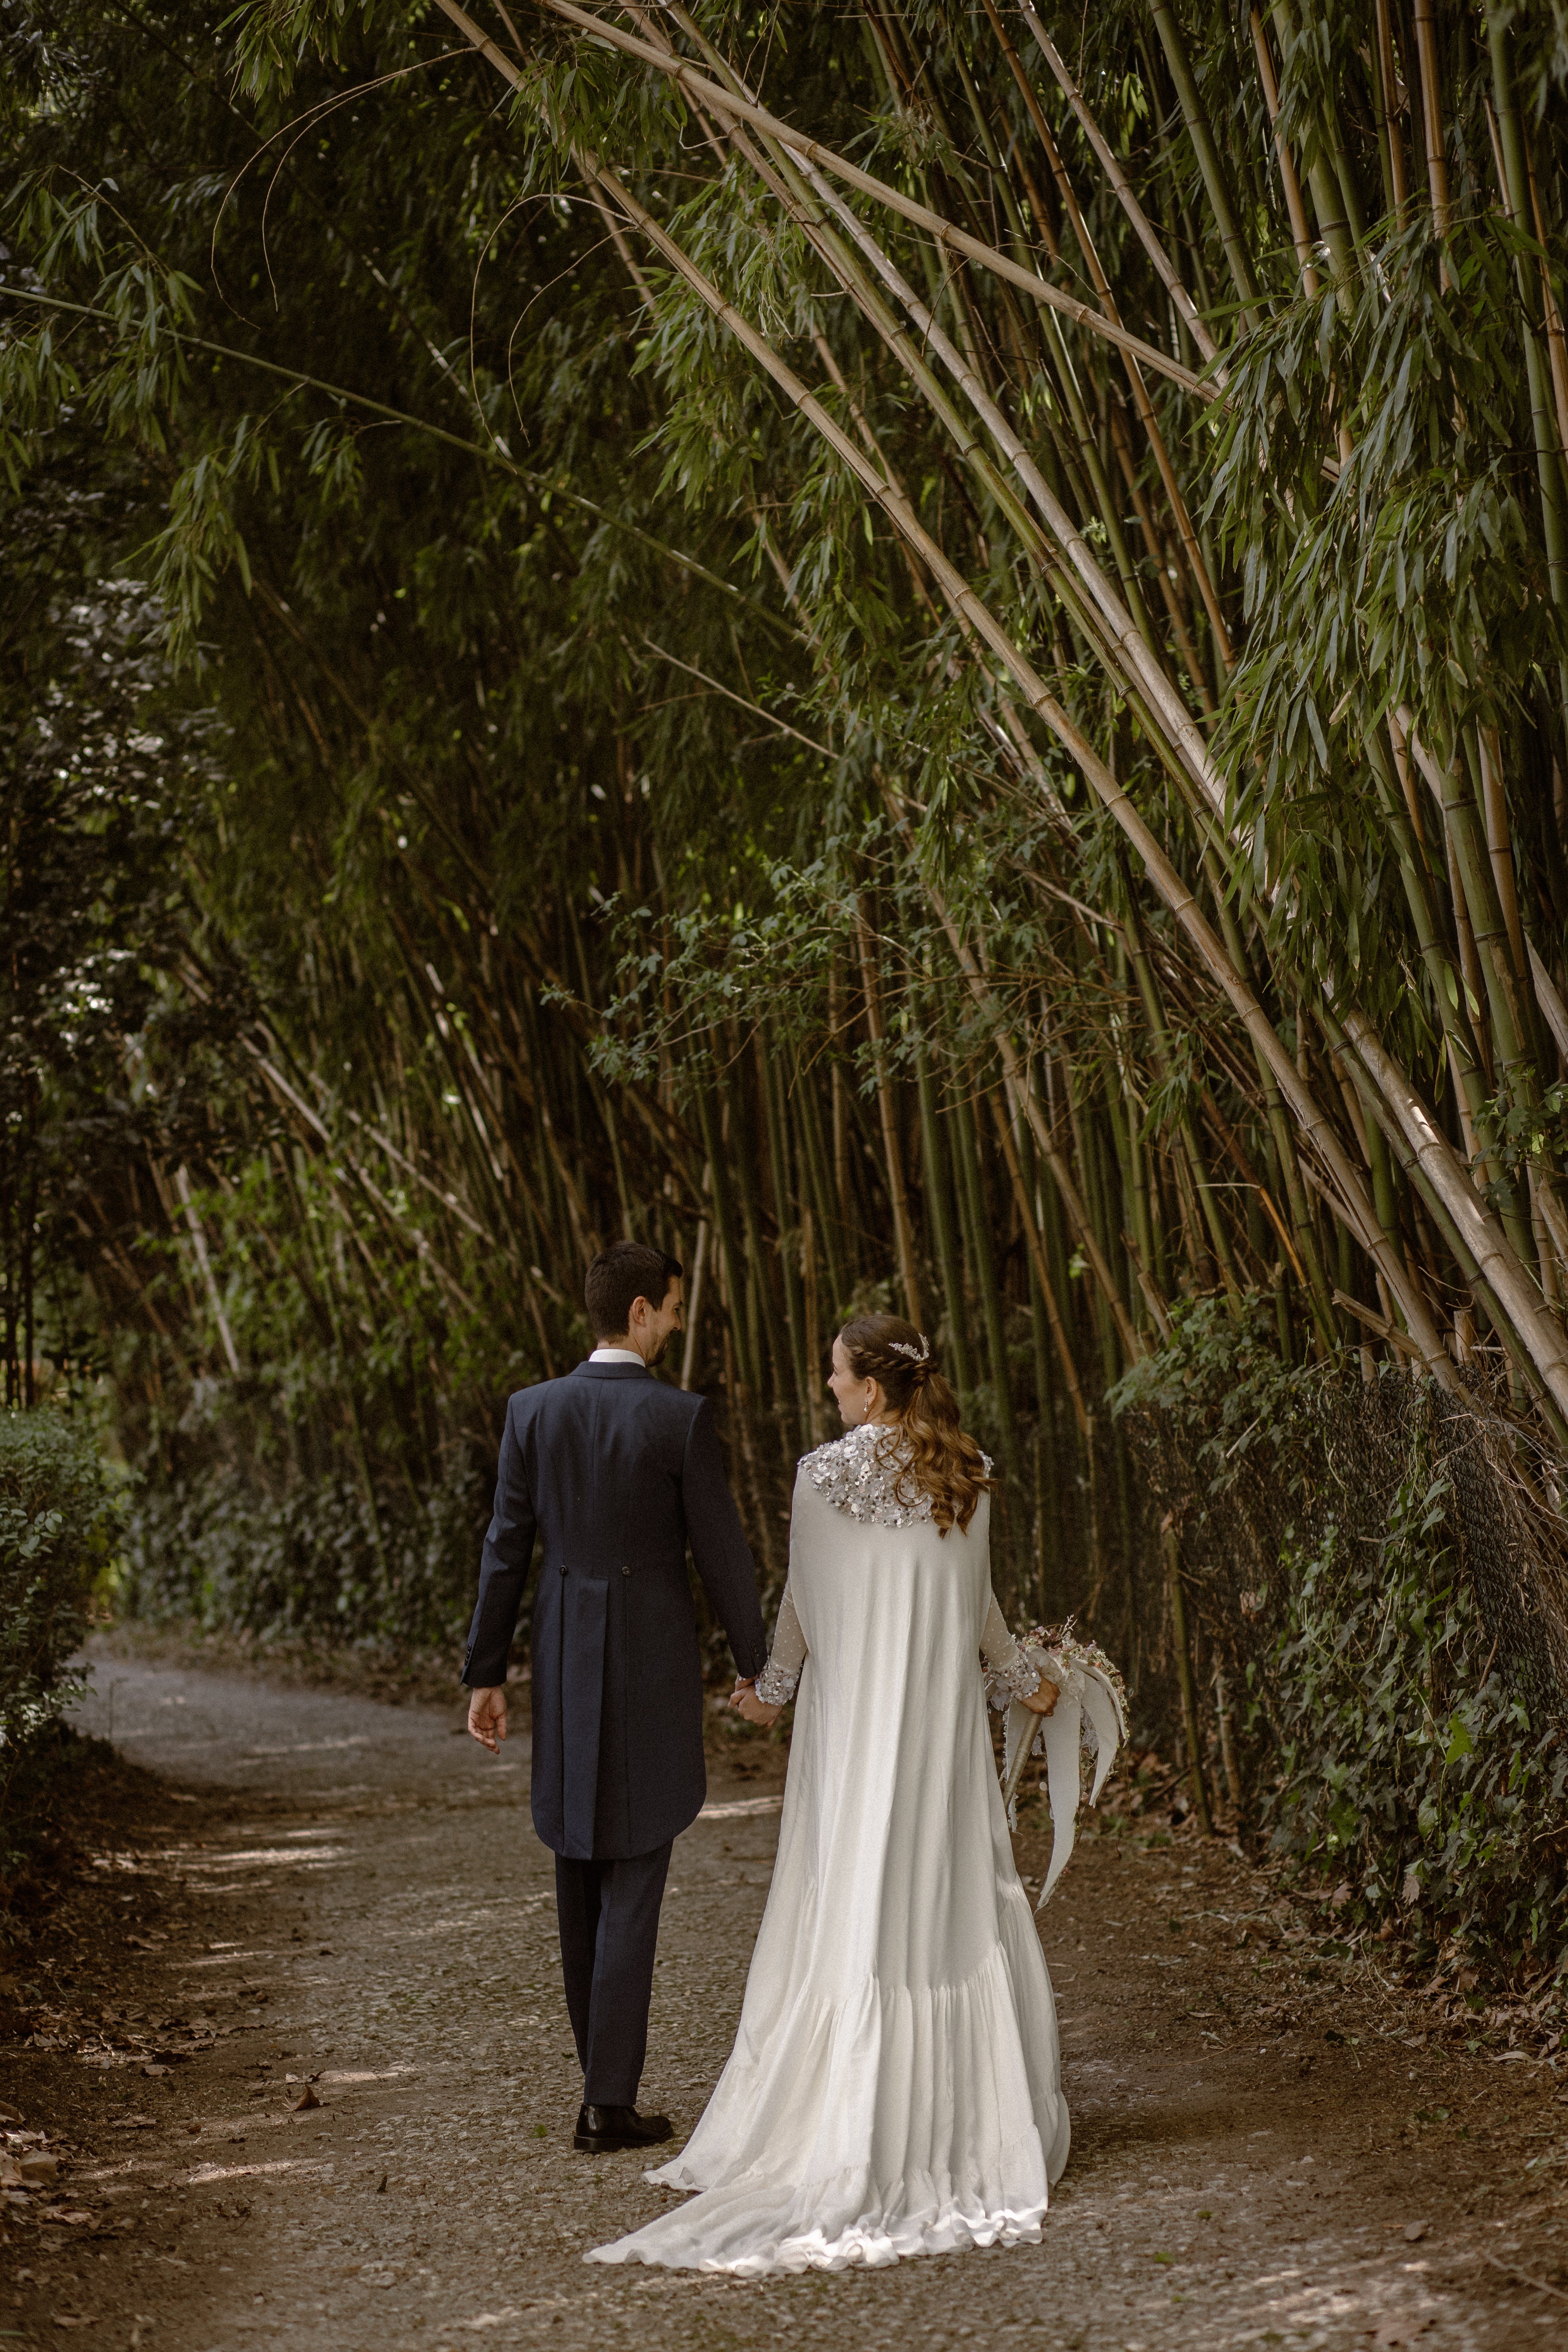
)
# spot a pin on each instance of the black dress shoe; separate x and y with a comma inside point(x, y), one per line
point(600, 2130)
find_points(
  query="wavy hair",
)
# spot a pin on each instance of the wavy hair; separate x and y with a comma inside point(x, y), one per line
point(942, 1461)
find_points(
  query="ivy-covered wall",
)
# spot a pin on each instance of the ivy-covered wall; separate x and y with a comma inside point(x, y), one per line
point(1373, 1575)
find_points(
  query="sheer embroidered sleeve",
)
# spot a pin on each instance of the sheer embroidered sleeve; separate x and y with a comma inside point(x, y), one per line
point(776, 1683)
point(1008, 1673)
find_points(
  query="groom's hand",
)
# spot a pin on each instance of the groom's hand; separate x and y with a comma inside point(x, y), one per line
point(1043, 1698)
point(487, 1718)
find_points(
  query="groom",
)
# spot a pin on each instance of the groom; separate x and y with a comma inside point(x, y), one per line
point(618, 1475)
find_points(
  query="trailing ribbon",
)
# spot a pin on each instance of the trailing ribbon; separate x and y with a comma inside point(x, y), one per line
point(1090, 1716)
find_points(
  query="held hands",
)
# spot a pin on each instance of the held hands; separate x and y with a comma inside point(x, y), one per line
point(744, 1700)
point(487, 1718)
point(1042, 1701)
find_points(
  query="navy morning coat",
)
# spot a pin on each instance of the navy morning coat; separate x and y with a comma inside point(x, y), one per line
point(616, 1475)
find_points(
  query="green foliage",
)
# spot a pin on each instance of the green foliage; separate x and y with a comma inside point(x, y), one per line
point(99, 776)
point(1400, 1748)
point(1219, 1380)
point(606, 827)
point(60, 1525)
point(317, 1559)
point(1410, 1768)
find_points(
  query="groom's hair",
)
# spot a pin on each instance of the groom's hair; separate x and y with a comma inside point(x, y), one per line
point(625, 1271)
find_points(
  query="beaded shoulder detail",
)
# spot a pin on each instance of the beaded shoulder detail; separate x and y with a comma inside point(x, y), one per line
point(863, 1472)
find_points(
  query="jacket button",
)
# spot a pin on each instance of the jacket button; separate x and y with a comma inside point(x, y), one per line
point(625, 1570)
point(562, 1567)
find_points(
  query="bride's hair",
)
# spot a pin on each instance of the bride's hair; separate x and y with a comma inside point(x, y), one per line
point(942, 1461)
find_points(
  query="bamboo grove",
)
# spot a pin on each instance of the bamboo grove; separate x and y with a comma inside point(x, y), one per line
point(920, 652)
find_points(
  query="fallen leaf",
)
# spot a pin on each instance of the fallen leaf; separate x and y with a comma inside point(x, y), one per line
point(155, 2071)
point(307, 2098)
point(37, 2167)
point(75, 2214)
point(72, 2319)
point(1415, 2230)
point(1402, 2330)
point(139, 2123)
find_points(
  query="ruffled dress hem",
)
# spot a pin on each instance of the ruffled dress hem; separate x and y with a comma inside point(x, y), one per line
point(871, 2228)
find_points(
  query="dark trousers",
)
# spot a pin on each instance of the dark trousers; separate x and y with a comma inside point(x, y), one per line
point(609, 1926)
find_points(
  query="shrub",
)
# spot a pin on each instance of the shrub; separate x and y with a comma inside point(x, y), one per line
point(219, 1548)
point(59, 1526)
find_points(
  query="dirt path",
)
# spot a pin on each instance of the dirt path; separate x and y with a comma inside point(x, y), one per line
point(336, 1890)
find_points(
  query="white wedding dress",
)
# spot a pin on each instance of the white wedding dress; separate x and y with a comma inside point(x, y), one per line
point(894, 2087)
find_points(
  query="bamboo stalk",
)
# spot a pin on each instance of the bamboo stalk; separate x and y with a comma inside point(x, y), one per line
point(1500, 848)
point(1185, 737)
point(1556, 344)
point(815, 1416)
point(1142, 227)
point(1019, 1087)
point(983, 1264)
point(1173, 1551)
point(1516, 203)
point(1201, 136)
point(954, 241)
point(1291, 186)
point(694, 1300)
point(785, 1214)
point(939, 1219)
point(1386, 77)
point(1522, 1304)
point(1041, 1268)
point(1432, 116)
point(898, 1197)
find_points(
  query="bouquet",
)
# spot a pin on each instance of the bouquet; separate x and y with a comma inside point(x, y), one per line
point(1090, 1720)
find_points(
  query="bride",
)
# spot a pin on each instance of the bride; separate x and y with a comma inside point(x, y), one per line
point(894, 2087)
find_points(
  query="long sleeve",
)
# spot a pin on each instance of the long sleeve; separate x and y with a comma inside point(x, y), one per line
point(776, 1683)
point(718, 1547)
point(1009, 1673)
point(503, 1567)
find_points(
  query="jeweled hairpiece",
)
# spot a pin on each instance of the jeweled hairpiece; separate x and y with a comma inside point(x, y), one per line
point(921, 1354)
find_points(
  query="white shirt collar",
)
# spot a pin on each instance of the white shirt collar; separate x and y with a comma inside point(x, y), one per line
point(617, 1355)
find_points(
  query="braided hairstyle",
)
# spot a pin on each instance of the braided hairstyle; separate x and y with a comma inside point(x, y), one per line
point(941, 1459)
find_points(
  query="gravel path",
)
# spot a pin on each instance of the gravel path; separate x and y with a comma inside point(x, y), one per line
point(331, 1893)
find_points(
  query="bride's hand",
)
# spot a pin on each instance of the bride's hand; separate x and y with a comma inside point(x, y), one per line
point(1045, 1697)
point(745, 1701)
